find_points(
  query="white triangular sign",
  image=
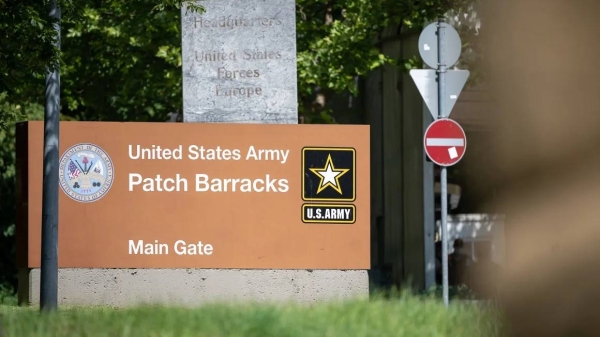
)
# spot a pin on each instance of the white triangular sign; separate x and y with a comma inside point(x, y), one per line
point(426, 82)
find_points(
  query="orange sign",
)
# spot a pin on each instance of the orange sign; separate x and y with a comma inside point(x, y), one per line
point(175, 195)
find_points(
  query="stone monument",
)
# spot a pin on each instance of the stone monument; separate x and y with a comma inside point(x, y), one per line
point(239, 62)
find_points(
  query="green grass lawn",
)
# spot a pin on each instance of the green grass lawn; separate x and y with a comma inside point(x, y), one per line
point(403, 316)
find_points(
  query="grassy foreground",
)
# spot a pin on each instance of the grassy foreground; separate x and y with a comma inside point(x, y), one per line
point(405, 316)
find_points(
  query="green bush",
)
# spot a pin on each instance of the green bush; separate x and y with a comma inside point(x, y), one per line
point(7, 296)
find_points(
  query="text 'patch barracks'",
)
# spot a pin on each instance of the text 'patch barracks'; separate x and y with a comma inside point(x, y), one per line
point(328, 174)
point(313, 213)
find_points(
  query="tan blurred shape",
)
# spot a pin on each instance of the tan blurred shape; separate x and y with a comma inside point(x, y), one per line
point(542, 59)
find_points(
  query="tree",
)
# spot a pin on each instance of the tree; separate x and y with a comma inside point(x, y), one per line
point(122, 62)
point(336, 42)
point(24, 52)
point(27, 49)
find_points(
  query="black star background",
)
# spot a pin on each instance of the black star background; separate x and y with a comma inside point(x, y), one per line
point(343, 158)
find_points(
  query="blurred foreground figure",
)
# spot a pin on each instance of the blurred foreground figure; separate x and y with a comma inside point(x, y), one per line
point(543, 62)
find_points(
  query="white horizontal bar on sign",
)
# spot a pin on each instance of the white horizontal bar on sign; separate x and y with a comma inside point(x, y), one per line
point(445, 142)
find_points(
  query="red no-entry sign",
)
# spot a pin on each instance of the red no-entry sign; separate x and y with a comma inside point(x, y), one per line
point(445, 142)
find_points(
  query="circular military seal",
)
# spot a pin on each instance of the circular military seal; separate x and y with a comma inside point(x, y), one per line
point(86, 172)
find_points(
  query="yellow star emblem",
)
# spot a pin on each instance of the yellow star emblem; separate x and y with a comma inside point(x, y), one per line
point(329, 176)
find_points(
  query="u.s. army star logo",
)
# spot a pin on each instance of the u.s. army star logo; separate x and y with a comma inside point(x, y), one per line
point(329, 174)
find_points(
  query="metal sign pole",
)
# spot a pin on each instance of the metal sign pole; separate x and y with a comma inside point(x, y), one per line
point(444, 195)
point(445, 144)
point(49, 257)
